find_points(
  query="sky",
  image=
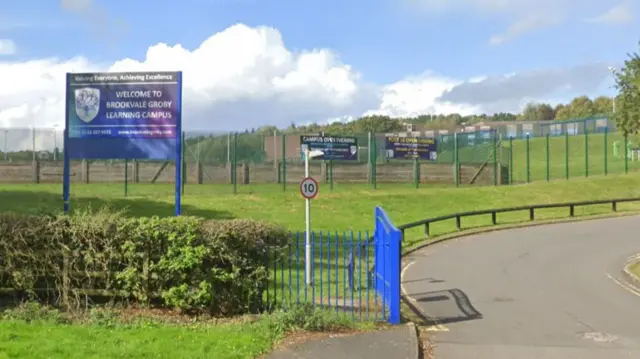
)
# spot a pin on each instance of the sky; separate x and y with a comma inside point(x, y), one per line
point(250, 63)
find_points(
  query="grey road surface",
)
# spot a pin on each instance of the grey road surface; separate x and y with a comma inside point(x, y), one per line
point(548, 292)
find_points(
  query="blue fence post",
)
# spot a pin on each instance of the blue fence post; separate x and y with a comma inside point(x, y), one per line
point(313, 269)
point(321, 274)
point(388, 247)
point(360, 274)
point(329, 270)
point(395, 260)
point(368, 274)
point(344, 272)
point(298, 267)
point(350, 268)
point(337, 239)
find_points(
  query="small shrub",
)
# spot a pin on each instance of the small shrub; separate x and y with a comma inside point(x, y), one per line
point(103, 317)
point(310, 318)
point(32, 312)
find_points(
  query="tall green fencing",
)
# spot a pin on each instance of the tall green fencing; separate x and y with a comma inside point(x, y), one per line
point(464, 158)
point(570, 156)
point(558, 150)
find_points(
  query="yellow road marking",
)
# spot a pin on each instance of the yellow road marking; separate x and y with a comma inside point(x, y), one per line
point(631, 289)
point(432, 328)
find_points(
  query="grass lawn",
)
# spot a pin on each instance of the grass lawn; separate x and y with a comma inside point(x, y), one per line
point(38, 332)
point(347, 208)
point(335, 215)
point(40, 340)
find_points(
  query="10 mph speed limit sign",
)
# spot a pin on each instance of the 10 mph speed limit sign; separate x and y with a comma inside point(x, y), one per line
point(308, 188)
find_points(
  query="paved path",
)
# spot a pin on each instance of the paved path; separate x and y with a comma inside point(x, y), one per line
point(545, 292)
point(396, 343)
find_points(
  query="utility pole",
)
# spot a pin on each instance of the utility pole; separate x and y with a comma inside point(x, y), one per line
point(613, 99)
point(6, 158)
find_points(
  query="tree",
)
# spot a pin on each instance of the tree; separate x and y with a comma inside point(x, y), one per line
point(545, 112)
point(603, 105)
point(529, 112)
point(563, 113)
point(581, 107)
point(538, 112)
point(627, 114)
point(378, 124)
point(557, 109)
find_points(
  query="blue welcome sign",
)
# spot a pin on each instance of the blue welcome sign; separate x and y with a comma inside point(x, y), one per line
point(123, 115)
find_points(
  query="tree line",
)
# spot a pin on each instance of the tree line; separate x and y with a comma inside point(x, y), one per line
point(579, 107)
point(250, 144)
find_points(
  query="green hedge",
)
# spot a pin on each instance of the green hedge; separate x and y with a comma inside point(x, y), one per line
point(187, 263)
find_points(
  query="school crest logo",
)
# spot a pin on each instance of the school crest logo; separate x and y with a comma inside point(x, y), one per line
point(87, 103)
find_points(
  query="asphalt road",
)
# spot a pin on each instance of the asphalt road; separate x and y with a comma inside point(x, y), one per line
point(547, 292)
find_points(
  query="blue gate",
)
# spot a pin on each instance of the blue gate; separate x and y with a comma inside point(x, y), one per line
point(388, 244)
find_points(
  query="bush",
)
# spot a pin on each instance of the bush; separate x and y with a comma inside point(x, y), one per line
point(186, 263)
point(311, 318)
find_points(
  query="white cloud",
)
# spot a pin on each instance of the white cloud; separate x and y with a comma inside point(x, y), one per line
point(418, 95)
point(226, 86)
point(231, 87)
point(7, 47)
point(620, 14)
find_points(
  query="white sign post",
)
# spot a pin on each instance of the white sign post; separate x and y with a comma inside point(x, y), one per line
point(308, 189)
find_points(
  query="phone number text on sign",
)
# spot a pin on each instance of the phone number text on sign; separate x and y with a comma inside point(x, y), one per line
point(82, 133)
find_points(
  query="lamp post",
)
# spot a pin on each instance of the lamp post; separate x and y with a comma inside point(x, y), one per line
point(55, 143)
point(613, 99)
point(6, 158)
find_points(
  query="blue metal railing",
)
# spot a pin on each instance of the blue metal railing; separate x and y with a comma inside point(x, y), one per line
point(341, 268)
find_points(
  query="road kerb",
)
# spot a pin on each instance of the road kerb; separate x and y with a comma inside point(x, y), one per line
point(631, 278)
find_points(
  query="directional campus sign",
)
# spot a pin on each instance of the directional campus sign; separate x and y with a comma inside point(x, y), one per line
point(309, 188)
point(411, 148)
point(123, 115)
point(332, 147)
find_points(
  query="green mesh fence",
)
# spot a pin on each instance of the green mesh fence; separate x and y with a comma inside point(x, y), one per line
point(472, 148)
point(516, 152)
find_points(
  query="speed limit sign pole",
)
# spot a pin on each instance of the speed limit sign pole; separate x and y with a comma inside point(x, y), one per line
point(307, 222)
point(308, 189)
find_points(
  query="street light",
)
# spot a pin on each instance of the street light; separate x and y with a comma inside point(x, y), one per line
point(613, 99)
point(55, 143)
point(307, 213)
point(6, 158)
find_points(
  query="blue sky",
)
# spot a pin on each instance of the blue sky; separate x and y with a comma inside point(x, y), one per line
point(389, 44)
point(384, 39)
